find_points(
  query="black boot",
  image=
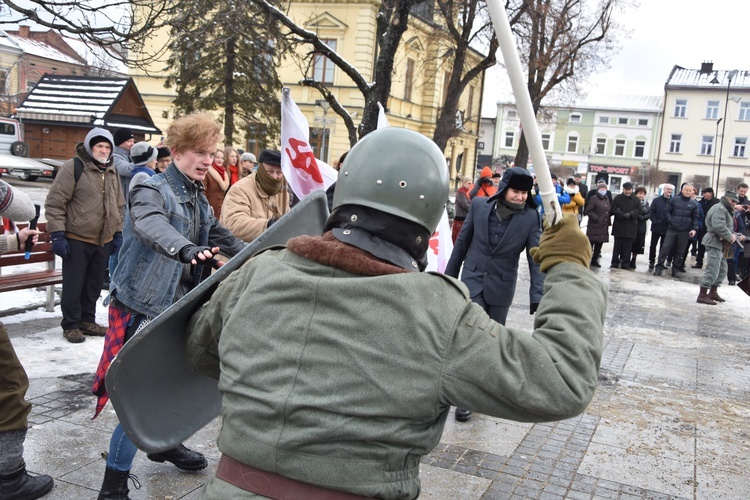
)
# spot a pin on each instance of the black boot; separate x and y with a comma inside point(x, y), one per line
point(674, 271)
point(659, 269)
point(115, 485)
point(463, 415)
point(698, 265)
point(595, 262)
point(181, 457)
point(18, 485)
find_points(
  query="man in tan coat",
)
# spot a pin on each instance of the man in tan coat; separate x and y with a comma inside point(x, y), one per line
point(255, 202)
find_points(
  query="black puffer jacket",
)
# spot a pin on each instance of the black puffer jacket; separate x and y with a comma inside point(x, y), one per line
point(683, 214)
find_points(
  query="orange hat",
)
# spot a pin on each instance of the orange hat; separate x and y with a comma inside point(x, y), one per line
point(486, 172)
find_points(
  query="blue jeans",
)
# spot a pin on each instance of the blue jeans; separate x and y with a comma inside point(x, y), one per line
point(121, 451)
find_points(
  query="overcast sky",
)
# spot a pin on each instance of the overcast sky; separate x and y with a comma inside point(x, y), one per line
point(663, 33)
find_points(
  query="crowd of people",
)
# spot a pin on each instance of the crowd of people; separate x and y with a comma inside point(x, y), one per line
point(160, 216)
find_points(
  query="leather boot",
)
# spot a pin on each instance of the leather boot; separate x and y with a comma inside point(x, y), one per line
point(659, 269)
point(181, 457)
point(674, 271)
point(463, 415)
point(697, 265)
point(115, 485)
point(703, 297)
point(714, 294)
point(595, 262)
point(19, 485)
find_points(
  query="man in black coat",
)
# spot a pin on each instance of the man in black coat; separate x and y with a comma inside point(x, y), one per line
point(626, 208)
point(708, 201)
point(684, 221)
point(659, 222)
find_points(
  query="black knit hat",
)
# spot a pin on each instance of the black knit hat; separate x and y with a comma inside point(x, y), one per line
point(270, 156)
point(122, 134)
point(163, 152)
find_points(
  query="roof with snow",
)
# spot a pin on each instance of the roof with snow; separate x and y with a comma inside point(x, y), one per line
point(87, 101)
point(710, 79)
point(41, 49)
point(649, 103)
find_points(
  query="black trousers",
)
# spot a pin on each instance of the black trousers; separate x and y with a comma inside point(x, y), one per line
point(622, 251)
point(652, 253)
point(83, 275)
point(674, 244)
point(597, 250)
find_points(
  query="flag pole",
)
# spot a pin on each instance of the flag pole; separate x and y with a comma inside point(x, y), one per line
point(501, 24)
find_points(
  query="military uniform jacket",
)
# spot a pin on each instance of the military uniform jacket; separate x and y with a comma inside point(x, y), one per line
point(345, 381)
point(719, 226)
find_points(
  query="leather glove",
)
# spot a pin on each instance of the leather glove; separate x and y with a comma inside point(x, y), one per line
point(116, 243)
point(60, 245)
point(563, 242)
point(626, 215)
point(190, 252)
point(271, 222)
point(533, 307)
point(485, 180)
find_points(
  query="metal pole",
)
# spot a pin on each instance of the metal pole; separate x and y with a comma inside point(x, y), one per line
point(724, 127)
point(716, 138)
point(525, 110)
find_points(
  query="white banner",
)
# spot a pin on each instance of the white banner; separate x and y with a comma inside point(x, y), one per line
point(302, 170)
point(441, 246)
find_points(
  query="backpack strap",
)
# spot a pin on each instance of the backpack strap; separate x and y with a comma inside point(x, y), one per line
point(77, 168)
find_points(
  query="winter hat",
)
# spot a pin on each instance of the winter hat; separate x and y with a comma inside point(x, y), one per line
point(143, 153)
point(627, 185)
point(514, 178)
point(250, 157)
point(601, 183)
point(163, 152)
point(95, 136)
point(122, 134)
point(486, 172)
point(270, 156)
point(497, 175)
point(570, 181)
point(15, 205)
point(732, 196)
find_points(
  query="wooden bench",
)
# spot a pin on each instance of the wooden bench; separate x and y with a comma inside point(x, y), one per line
point(42, 252)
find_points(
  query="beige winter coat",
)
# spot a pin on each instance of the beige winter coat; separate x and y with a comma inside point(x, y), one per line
point(247, 208)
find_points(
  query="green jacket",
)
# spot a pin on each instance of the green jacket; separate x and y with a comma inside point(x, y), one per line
point(718, 225)
point(345, 381)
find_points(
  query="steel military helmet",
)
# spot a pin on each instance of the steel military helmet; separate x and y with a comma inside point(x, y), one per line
point(396, 171)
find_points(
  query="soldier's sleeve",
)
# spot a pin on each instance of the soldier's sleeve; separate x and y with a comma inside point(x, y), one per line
point(550, 374)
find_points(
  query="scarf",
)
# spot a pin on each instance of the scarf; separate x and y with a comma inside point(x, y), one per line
point(505, 209)
point(143, 169)
point(268, 184)
point(221, 169)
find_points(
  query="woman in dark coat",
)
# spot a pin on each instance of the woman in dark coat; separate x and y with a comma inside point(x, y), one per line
point(599, 212)
point(640, 240)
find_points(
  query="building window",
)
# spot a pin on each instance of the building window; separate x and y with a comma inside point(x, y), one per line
point(680, 108)
point(604, 120)
point(572, 143)
point(511, 113)
point(640, 149)
point(643, 122)
point(620, 147)
point(471, 102)
point(712, 110)
point(546, 141)
point(509, 139)
point(744, 111)
point(575, 117)
point(675, 143)
point(622, 121)
point(739, 147)
point(707, 145)
point(323, 72)
point(601, 145)
point(409, 79)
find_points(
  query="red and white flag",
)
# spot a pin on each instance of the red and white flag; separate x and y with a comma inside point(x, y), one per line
point(302, 170)
point(441, 246)
point(441, 243)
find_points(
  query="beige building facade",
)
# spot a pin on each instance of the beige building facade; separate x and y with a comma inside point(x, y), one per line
point(705, 135)
point(417, 92)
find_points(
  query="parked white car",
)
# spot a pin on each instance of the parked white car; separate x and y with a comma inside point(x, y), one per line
point(11, 141)
point(26, 169)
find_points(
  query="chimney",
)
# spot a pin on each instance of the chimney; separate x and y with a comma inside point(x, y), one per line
point(707, 68)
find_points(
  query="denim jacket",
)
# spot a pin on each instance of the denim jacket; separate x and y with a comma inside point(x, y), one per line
point(167, 213)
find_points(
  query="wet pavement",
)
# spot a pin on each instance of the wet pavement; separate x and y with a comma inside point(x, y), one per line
point(669, 420)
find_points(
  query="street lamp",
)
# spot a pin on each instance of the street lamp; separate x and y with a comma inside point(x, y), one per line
point(730, 76)
point(713, 166)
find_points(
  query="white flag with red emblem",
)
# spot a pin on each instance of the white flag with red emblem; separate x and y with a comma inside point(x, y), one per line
point(441, 246)
point(302, 170)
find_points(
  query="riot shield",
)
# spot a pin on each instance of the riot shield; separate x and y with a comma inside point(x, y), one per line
point(160, 402)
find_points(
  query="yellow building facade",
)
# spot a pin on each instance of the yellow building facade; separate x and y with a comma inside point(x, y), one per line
point(420, 72)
